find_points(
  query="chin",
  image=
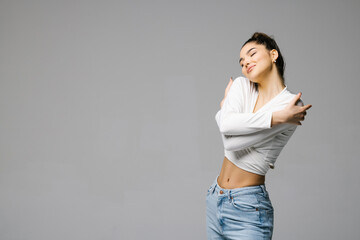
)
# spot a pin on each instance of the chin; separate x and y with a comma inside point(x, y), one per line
point(254, 76)
point(252, 79)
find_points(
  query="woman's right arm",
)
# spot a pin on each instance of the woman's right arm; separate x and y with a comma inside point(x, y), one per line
point(231, 118)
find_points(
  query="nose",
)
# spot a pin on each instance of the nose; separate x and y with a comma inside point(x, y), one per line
point(246, 62)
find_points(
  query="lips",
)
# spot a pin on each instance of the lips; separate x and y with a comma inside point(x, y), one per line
point(250, 68)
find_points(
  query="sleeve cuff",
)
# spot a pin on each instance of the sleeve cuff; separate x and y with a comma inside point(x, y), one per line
point(269, 119)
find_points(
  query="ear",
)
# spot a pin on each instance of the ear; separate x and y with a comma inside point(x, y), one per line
point(274, 54)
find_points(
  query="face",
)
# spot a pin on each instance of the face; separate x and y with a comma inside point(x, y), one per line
point(256, 61)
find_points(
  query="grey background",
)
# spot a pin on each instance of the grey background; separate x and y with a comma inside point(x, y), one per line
point(107, 116)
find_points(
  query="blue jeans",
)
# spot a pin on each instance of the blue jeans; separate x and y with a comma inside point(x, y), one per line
point(241, 213)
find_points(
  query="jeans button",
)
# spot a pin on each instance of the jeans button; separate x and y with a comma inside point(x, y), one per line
point(221, 191)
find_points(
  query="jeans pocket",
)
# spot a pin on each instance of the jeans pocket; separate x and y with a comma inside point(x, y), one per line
point(209, 190)
point(264, 202)
point(247, 203)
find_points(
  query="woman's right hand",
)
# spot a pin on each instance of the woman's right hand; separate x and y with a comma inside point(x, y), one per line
point(226, 91)
point(294, 114)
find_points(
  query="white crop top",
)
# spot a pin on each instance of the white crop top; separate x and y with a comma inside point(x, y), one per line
point(249, 140)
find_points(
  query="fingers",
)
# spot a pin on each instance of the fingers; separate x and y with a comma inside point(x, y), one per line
point(306, 107)
point(230, 82)
point(303, 108)
point(296, 98)
point(229, 85)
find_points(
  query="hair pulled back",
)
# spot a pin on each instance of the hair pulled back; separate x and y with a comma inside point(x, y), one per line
point(269, 43)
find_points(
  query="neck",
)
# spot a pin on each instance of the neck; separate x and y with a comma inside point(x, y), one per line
point(270, 85)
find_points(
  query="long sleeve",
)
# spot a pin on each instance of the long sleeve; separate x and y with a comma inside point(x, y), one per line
point(240, 142)
point(232, 120)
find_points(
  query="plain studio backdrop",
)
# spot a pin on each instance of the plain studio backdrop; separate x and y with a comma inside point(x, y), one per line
point(107, 116)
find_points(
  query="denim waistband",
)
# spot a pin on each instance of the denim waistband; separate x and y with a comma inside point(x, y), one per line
point(237, 191)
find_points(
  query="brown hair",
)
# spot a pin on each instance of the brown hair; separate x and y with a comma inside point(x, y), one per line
point(269, 43)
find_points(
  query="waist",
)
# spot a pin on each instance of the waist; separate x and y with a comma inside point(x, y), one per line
point(231, 176)
point(224, 192)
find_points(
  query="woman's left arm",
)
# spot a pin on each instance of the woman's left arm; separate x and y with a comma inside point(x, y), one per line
point(240, 142)
point(232, 120)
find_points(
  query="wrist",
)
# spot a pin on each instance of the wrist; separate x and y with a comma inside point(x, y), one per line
point(278, 118)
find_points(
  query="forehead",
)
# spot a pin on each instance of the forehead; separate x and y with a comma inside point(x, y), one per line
point(249, 46)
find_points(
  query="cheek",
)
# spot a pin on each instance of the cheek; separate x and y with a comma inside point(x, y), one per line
point(243, 70)
point(262, 58)
point(258, 58)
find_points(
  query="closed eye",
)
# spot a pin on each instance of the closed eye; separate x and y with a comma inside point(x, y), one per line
point(251, 56)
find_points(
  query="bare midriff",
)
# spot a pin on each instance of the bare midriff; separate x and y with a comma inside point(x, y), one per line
point(232, 176)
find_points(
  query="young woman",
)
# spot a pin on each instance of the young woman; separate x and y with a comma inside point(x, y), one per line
point(258, 116)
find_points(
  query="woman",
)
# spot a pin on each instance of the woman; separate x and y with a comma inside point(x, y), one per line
point(258, 116)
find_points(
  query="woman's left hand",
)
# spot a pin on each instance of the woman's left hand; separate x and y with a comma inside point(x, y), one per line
point(226, 91)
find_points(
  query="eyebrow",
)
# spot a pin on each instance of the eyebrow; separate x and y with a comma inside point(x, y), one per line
point(247, 53)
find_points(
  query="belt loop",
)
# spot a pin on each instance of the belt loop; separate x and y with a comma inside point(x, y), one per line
point(230, 197)
point(215, 183)
point(263, 188)
point(213, 188)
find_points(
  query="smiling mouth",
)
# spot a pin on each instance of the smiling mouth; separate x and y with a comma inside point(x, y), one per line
point(250, 69)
